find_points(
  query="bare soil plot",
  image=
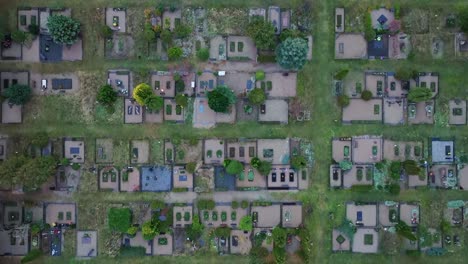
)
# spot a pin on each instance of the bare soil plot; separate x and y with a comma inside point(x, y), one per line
point(341, 150)
point(104, 150)
point(171, 19)
point(257, 182)
point(394, 111)
point(120, 46)
point(189, 151)
point(366, 240)
point(204, 179)
point(409, 213)
point(169, 152)
point(181, 178)
point(354, 84)
point(120, 153)
point(241, 150)
point(240, 47)
point(365, 214)
point(139, 151)
point(375, 84)
point(57, 88)
point(246, 111)
point(360, 110)
point(61, 213)
point(11, 114)
point(240, 242)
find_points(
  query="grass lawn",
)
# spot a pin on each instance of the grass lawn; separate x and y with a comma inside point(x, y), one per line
point(62, 115)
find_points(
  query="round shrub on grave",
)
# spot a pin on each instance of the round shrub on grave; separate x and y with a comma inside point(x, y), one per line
point(366, 95)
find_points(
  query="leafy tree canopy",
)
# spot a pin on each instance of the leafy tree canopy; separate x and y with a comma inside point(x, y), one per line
point(246, 223)
point(292, 53)
point(220, 99)
point(64, 30)
point(154, 102)
point(419, 94)
point(262, 33)
point(141, 93)
point(18, 94)
point(298, 162)
point(106, 95)
point(257, 96)
point(234, 167)
point(181, 100)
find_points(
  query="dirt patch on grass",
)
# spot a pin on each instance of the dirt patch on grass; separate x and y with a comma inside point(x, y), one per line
point(189, 151)
point(90, 83)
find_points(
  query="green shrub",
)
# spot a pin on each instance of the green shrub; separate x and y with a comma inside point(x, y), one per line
point(234, 167)
point(64, 30)
point(298, 162)
point(235, 204)
point(206, 204)
point(369, 32)
point(19, 36)
point(361, 188)
point(65, 162)
point(264, 167)
point(75, 166)
point(190, 167)
point(404, 230)
point(119, 219)
point(132, 251)
point(244, 204)
point(366, 95)
point(411, 167)
point(32, 255)
point(158, 204)
point(106, 95)
point(174, 53)
point(279, 237)
point(419, 94)
point(131, 231)
point(346, 165)
point(343, 100)
point(203, 54)
point(280, 255)
point(245, 223)
point(106, 32)
point(18, 94)
point(181, 100)
point(222, 232)
point(257, 96)
point(255, 162)
point(180, 86)
point(340, 75)
point(292, 53)
point(260, 75)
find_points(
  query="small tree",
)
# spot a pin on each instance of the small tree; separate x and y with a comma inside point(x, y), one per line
point(166, 37)
point(106, 32)
point(19, 36)
point(141, 92)
point(405, 74)
point(262, 32)
point(182, 31)
point(257, 96)
point(463, 19)
point(264, 167)
point(64, 30)
point(292, 53)
point(260, 75)
point(279, 237)
point(290, 33)
point(190, 167)
point(18, 94)
point(234, 167)
point(255, 162)
point(405, 231)
point(419, 94)
point(195, 230)
point(245, 223)
point(174, 53)
point(298, 162)
point(148, 33)
point(154, 102)
point(343, 100)
point(220, 99)
point(203, 54)
point(180, 86)
point(181, 100)
point(340, 75)
point(150, 229)
point(106, 95)
point(366, 95)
